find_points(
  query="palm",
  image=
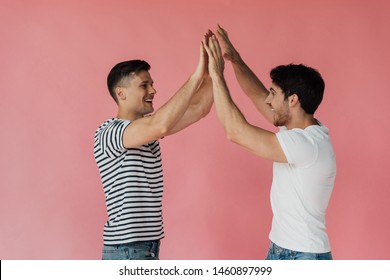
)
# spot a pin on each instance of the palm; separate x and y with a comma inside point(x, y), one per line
point(230, 52)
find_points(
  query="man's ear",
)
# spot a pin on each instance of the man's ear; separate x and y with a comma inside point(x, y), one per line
point(120, 94)
point(293, 99)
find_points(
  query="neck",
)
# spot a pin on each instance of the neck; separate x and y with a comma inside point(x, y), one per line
point(127, 115)
point(302, 121)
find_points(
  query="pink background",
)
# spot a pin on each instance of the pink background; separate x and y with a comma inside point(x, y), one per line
point(55, 56)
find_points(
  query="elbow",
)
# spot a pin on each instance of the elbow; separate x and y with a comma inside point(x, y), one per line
point(205, 111)
point(231, 134)
point(234, 131)
point(229, 137)
point(201, 111)
point(163, 130)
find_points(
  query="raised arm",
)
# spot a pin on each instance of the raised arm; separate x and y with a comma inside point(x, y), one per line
point(199, 107)
point(144, 130)
point(248, 81)
point(202, 101)
point(257, 140)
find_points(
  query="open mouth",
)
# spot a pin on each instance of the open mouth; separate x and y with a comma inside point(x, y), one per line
point(148, 100)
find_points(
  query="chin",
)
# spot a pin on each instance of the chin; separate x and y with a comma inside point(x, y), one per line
point(278, 123)
point(149, 110)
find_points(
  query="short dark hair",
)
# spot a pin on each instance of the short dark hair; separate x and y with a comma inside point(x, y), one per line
point(123, 70)
point(304, 81)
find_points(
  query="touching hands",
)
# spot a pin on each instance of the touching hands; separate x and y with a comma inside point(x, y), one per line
point(201, 71)
point(212, 55)
point(230, 53)
point(216, 63)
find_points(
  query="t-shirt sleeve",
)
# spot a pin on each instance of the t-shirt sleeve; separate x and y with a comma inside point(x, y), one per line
point(298, 147)
point(111, 138)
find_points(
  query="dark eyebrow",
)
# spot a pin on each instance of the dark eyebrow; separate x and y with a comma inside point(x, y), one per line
point(271, 89)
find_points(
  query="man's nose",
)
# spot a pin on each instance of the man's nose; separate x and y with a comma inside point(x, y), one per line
point(268, 99)
point(152, 90)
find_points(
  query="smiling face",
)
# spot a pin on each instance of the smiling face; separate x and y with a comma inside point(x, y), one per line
point(135, 94)
point(279, 106)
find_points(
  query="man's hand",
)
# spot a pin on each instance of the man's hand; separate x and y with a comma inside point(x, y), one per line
point(230, 53)
point(201, 71)
point(216, 62)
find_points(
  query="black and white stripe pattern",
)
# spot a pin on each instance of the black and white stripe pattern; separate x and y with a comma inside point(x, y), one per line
point(133, 185)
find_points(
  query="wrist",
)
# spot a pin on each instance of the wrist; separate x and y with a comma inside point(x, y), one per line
point(196, 79)
point(218, 78)
point(196, 76)
point(236, 59)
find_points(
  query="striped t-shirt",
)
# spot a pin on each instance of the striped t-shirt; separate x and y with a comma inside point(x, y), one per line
point(133, 185)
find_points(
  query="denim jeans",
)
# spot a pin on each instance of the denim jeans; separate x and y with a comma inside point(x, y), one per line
point(278, 253)
point(141, 250)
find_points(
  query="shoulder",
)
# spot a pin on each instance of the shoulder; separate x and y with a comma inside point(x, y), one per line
point(108, 137)
point(317, 132)
point(112, 123)
point(295, 135)
point(298, 145)
point(310, 134)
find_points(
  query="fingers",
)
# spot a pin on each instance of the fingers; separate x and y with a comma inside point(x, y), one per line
point(206, 46)
point(214, 52)
point(202, 51)
point(215, 45)
point(211, 47)
point(227, 45)
point(201, 57)
point(207, 36)
point(222, 33)
point(201, 69)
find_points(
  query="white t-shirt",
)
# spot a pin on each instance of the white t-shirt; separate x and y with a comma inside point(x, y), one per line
point(301, 189)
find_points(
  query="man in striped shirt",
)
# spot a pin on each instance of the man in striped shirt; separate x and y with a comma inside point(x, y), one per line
point(128, 156)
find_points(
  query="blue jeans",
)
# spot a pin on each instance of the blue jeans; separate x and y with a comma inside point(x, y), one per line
point(141, 250)
point(278, 253)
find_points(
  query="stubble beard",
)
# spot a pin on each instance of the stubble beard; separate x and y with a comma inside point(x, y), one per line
point(282, 116)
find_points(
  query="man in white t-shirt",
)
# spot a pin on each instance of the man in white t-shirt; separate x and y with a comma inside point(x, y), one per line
point(302, 152)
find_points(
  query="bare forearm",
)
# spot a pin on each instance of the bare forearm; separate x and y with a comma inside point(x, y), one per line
point(153, 127)
point(252, 87)
point(257, 140)
point(172, 111)
point(203, 99)
point(228, 113)
point(199, 107)
point(248, 81)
